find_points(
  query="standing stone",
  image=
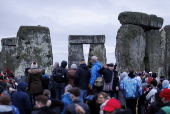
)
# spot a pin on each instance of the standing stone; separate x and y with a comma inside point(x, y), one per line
point(33, 43)
point(75, 54)
point(130, 48)
point(75, 48)
point(153, 51)
point(8, 53)
point(141, 19)
point(99, 51)
point(165, 50)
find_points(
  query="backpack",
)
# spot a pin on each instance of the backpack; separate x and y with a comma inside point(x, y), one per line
point(58, 75)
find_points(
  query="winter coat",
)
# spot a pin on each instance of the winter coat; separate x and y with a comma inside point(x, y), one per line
point(161, 111)
point(131, 87)
point(5, 109)
point(34, 81)
point(21, 99)
point(151, 95)
point(102, 106)
point(107, 75)
point(70, 109)
point(71, 74)
point(45, 81)
point(82, 77)
point(15, 110)
point(94, 72)
point(44, 110)
point(66, 99)
point(154, 108)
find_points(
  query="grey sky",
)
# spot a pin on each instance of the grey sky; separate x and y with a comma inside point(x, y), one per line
point(75, 17)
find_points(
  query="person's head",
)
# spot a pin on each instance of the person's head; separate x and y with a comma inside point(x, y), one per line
point(5, 100)
point(47, 93)
point(165, 83)
point(123, 75)
point(93, 59)
point(131, 71)
point(63, 64)
point(56, 64)
point(154, 75)
point(41, 101)
point(111, 66)
point(74, 93)
point(102, 97)
point(82, 61)
point(162, 78)
point(67, 88)
point(43, 71)
point(111, 106)
point(22, 86)
point(73, 66)
point(34, 65)
point(148, 80)
point(165, 95)
point(153, 83)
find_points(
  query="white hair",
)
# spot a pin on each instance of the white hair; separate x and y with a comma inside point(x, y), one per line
point(94, 58)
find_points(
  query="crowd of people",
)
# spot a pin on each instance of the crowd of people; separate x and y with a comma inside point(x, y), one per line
point(80, 90)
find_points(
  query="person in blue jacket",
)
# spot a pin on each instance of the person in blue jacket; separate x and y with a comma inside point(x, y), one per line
point(97, 87)
point(21, 99)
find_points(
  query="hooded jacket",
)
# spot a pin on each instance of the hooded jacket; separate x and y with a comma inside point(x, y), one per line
point(5, 109)
point(21, 99)
point(94, 72)
point(66, 99)
point(34, 81)
point(82, 77)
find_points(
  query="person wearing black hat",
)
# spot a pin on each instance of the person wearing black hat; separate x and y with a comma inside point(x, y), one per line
point(71, 108)
point(110, 76)
point(82, 77)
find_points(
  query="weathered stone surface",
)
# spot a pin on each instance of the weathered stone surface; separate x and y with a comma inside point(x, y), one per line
point(142, 19)
point(130, 48)
point(8, 53)
point(75, 54)
point(86, 39)
point(98, 50)
point(152, 54)
point(33, 43)
point(165, 50)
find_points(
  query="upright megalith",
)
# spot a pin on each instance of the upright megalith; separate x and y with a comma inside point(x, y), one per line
point(165, 51)
point(8, 53)
point(33, 43)
point(97, 48)
point(153, 50)
point(142, 19)
point(130, 48)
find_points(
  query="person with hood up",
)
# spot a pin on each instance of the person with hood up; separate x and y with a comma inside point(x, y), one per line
point(21, 99)
point(60, 77)
point(95, 86)
point(132, 89)
point(82, 77)
point(165, 84)
point(66, 99)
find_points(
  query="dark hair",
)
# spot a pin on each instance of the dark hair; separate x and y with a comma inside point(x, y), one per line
point(154, 82)
point(42, 99)
point(131, 70)
point(5, 100)
point(75, 91)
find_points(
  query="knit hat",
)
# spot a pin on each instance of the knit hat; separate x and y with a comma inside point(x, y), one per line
point(82, 61)
point(165, 93)
point(111, 105)
point(165, 83)
point(73, 66)
point(123, 75)
point(34, 65)
point(67, 88)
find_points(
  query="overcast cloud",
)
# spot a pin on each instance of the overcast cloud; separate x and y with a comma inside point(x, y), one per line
point(75, 17)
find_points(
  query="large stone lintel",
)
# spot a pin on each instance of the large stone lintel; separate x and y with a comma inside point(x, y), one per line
point(8, 41)
point(86, 39)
